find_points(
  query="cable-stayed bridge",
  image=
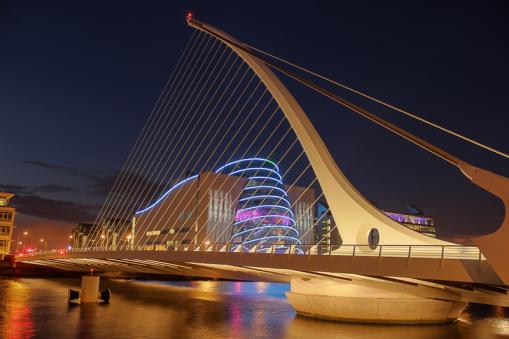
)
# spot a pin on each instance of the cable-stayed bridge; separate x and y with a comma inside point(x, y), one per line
point(224, 180)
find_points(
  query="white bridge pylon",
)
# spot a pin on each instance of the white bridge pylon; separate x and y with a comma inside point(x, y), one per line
point(354, 215)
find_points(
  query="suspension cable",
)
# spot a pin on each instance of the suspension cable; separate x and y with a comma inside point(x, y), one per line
point(383, 103)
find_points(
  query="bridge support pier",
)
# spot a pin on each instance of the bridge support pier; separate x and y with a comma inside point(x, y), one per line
point(344, 300)
point(89, 288)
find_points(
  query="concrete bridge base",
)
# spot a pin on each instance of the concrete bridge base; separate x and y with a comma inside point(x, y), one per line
point(89, 288)
point(344, 300)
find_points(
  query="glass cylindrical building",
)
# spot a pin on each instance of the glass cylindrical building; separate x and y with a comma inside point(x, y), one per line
point(264, 220)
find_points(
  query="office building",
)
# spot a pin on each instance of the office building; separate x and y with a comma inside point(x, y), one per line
point(418, 223)
point(325, 233)
point(7, 214)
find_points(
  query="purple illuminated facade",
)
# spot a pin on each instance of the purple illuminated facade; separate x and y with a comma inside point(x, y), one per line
point(418, 223)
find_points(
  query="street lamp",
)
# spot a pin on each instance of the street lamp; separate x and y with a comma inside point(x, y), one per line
point(18, 241)
point(45, 244)
point(128, 237)
point(25, 234)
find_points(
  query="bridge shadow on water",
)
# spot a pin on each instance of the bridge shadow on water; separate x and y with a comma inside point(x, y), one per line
point(199, 309)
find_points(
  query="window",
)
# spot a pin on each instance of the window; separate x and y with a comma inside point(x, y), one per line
point(3, 202)
point(186, 215)
point(5, 230)
point(373, 238)
point(3, 243)
point(6, 216)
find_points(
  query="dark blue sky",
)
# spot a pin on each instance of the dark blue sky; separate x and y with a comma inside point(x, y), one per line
point(79, 78)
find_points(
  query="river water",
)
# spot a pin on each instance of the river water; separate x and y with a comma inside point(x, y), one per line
point(37, 308)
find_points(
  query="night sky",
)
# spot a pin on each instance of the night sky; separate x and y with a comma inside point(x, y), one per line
point(79, 78)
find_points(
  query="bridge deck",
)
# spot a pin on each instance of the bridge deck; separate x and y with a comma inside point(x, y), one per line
point(447, 263)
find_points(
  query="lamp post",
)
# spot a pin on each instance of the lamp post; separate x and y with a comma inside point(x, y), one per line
point(45, 244)
point(129, 237)
point(26, 242)
point(19, 242)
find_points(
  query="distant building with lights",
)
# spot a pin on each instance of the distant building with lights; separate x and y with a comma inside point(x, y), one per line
point(7, 214)
point(418, 223)
point(107, 234)
point(325, 233)
point(80, 234)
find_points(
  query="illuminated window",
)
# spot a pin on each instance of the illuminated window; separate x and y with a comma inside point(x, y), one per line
point(6, 216)
point(3, 202)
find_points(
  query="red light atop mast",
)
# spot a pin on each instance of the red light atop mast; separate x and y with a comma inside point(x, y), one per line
point(189, 16)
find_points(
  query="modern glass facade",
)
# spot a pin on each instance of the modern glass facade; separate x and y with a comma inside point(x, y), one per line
point(241, 206)
point(264, 220)
point(325, 233)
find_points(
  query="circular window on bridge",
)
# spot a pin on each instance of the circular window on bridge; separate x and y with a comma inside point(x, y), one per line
point(373, 238)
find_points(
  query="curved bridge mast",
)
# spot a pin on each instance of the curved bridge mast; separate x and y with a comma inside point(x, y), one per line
point(353, 213)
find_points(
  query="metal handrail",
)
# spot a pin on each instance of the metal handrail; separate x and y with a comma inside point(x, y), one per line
point(353, 250)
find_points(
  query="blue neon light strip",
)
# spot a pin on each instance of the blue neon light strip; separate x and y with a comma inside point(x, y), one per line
point(256, 229)
point(266, 178)
point(266, 187)
point(262, 206)
point(257, 169)
point(265, 216)
point(278, 247)
point(272, 237)
point(166, 193)
point(266, 197)
point(244, 160)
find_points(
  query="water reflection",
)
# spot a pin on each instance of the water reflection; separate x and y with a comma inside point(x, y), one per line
point(307, 328)
point(199, 309)
point(14, 310)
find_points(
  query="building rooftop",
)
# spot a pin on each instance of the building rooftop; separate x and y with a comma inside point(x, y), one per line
point(6, 195)
point(4, 198)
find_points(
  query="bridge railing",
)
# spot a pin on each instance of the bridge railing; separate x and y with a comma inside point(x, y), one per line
point(351, 250)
